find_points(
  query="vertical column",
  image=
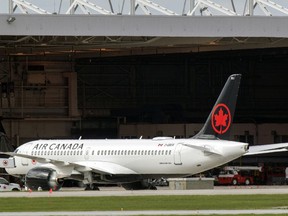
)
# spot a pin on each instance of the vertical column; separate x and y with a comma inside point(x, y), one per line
point(72, 94)
point(192, 5)
point(10, 6)
point(132, 7)
point(251, 7)
point(72, 11)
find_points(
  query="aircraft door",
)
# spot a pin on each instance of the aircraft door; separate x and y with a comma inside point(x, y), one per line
point(87, 152)
point(177, 154)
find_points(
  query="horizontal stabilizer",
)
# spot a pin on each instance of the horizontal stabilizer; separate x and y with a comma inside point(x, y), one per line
point(265, 149)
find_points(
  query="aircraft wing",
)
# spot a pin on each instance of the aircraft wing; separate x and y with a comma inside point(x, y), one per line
point(81, 166)
point(265, 149)
point(102, 167)
point(36, 158)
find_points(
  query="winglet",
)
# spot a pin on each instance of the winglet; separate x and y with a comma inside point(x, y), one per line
point(219, 122)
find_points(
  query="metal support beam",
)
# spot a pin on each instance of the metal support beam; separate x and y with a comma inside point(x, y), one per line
point(251, 7)
point(153, 7)
point(132, 7)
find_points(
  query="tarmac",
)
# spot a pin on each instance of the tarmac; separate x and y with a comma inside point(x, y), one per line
point(162, 191)
point(165, 191)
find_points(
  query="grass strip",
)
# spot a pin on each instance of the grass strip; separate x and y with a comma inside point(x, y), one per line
point(113, 203)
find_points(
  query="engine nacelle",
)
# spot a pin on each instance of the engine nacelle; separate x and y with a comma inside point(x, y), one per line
point(44, 178)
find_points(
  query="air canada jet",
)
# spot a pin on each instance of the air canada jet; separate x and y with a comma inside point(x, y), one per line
point(47, 163)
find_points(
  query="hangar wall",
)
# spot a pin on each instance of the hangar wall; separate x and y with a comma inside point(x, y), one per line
point(94, 96)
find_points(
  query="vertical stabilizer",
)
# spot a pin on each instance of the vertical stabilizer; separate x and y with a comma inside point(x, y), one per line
point(220, 119)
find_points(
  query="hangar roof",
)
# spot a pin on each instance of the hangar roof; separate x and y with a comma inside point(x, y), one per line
point(88, 28)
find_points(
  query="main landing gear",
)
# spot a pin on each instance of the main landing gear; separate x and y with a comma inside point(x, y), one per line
point(91, 187)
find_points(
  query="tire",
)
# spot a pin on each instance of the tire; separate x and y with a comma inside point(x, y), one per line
point(247, 181)
point(15, 189)
point(234, 182)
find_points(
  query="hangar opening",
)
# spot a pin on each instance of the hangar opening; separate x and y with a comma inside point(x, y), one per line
point(122, 76)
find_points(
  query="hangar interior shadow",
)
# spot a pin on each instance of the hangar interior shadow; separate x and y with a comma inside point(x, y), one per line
point(182, 88)
point(150, 89)
point(176, 88)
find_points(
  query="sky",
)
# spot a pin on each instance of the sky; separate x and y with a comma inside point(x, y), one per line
point(174, 5)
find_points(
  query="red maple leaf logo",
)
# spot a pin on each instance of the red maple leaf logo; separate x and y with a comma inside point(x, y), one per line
point(221, 120)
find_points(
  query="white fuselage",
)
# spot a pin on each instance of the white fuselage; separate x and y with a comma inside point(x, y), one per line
point(156, 157)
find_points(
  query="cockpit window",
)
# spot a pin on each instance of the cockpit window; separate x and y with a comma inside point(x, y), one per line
point(16, 150)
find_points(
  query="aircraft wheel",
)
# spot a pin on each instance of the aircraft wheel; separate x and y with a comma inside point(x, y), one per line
point(152, 187)
point(234, 182)
point(247, 181)
point(91, 187)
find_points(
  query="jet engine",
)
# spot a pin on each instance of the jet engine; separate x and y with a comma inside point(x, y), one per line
point(43, 178)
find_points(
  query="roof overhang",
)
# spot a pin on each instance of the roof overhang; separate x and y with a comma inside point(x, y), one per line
point(125, 35)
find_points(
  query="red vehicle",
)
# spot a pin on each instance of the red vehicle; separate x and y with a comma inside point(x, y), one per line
point(232, 177)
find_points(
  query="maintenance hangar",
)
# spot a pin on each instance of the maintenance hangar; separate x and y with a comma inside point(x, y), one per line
point(139, 68)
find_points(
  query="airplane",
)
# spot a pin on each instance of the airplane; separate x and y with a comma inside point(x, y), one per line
point(46, 164)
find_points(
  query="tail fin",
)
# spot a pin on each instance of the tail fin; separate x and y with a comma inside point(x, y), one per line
point(220, 119)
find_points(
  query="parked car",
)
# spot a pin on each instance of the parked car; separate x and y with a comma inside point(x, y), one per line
point(7, 186)
point(232, 177)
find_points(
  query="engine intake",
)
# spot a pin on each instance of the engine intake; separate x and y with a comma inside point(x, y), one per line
point(44, 178)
